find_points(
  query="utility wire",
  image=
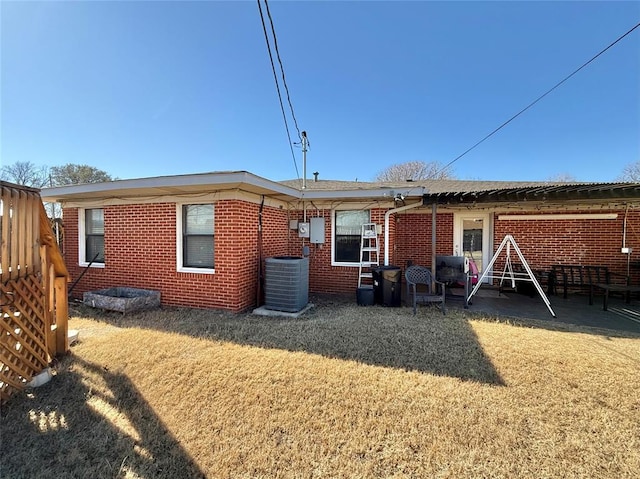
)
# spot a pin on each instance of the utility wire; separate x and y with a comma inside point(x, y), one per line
point(284, 80)
point(535, 101)
point(275, 77)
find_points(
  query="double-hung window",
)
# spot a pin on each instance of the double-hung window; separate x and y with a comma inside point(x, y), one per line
point(93, 236)
point(347, 231)
point(197, 237)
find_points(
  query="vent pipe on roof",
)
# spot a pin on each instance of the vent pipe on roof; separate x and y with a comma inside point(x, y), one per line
point(315, 176)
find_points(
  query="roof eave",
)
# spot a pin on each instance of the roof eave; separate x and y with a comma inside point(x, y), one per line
point(185, 184)
point(170, 185)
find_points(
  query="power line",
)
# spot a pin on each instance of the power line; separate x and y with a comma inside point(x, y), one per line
point(275, 77)
point(536, 100)
point(284, 80)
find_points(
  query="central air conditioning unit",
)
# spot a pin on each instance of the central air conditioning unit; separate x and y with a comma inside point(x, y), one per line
point(286, 283)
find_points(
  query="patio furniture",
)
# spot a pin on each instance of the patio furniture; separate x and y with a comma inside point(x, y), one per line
point(620, 288)
point(422, 287)
point(544, 278)
point(456, 272)
point(586, 278)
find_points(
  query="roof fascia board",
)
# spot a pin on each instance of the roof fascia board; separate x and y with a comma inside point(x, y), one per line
point(75, 192)
point(213, 197)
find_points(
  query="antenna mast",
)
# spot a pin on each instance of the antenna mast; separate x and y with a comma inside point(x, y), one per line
point(305, 144)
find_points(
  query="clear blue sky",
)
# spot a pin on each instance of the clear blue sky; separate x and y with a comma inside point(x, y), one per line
point(160, 88)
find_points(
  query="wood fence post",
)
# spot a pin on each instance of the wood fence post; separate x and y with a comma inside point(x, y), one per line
point(62, 315)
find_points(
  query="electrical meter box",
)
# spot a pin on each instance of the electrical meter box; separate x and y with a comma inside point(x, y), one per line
point(317, 230)
point(303, 230)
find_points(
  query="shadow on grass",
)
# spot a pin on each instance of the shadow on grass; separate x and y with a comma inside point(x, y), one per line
point(88, 422)
point(390, 337)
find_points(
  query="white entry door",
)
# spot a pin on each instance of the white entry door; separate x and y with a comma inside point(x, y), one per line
point(471, 238)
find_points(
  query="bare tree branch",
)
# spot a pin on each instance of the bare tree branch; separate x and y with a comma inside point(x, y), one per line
point(563, 178)
point(25, 173)
point(631, 173)
point(414, 170)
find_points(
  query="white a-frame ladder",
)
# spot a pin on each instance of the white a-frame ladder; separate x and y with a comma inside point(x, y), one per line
point(369, 253)
point(508, 241)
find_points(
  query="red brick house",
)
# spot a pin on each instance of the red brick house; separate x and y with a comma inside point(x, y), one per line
point(202, 239)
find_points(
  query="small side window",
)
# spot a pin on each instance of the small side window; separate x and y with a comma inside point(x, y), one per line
point(198, 236)
point(94, 235)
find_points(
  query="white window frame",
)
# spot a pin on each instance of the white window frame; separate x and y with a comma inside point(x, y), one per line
point(333, 237)
point(179, 243)
point(82, 240)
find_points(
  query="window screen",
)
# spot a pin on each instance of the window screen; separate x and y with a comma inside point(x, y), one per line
point(348, 227)
point(94, 235)
point(198, 236)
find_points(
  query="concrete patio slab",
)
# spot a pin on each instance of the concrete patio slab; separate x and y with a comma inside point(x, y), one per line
point(263, 311)
point(621, 316)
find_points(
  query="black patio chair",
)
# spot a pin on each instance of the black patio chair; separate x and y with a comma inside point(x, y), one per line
point(422, 287)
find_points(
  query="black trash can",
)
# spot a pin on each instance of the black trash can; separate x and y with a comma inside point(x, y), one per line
point(364, 296)
point(387, 285)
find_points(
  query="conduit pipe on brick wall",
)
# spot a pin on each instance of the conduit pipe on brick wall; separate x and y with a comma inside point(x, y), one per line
point(387, 215)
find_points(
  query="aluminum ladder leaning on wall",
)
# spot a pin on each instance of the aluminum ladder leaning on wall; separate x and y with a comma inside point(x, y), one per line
point(369, 252)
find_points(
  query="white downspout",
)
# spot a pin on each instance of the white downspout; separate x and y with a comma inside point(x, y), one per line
point(386, 226)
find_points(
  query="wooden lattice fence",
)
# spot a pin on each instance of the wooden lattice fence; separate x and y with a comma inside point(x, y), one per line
point(33, 290)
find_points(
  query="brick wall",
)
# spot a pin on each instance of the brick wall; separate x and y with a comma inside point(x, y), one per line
point(413, 237)
point(323, 277)
point(137, 258)
point(140, 252)
point(575, 241)
point(140, 249)
point(543, 243)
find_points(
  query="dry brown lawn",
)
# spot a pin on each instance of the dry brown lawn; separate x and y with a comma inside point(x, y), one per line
point(343, 392)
